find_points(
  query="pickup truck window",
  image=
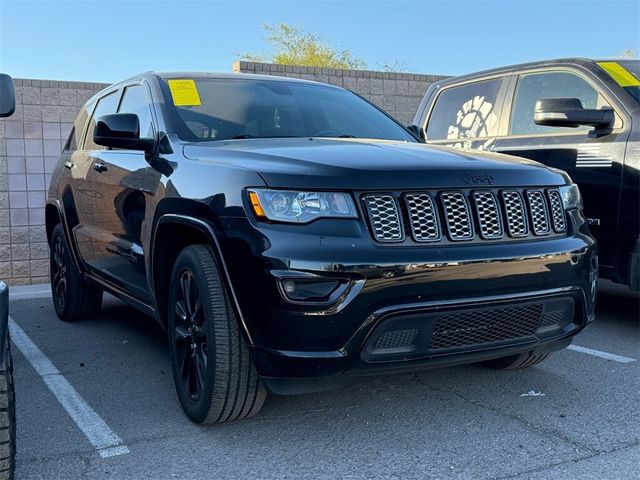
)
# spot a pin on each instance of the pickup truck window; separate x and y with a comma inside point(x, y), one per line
point(465, 111)
point(534, 86)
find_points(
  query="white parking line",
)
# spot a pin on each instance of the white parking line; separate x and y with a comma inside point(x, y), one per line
point(601, 354)
point(95, 429)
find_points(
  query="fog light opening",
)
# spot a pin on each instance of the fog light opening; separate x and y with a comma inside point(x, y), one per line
point(312, 290)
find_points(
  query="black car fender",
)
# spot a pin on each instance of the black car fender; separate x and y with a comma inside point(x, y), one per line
point(207, 230)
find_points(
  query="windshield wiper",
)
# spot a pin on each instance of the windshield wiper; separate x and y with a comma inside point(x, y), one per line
point(239, 136)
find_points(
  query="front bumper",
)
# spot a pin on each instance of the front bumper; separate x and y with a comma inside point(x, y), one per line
point(407, 293)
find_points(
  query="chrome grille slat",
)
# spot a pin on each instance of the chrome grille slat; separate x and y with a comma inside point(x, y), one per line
point(457, 215)
point(515, 213)
point(538, 211)
point(384, 216)
point(557, 211)
point(489, 222)
point(423, 217)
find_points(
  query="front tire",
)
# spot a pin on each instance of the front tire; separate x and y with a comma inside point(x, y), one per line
point(514, 362)
point(73, 298)
point(7, 416)
point(213, 373)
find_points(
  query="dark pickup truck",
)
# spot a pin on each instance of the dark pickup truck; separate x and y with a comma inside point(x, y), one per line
point(578, 115)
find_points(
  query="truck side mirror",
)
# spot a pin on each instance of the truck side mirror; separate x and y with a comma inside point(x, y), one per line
point(7, 96)
point(568, 112)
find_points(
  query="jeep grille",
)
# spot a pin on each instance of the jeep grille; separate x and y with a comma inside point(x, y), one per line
point(455, 216)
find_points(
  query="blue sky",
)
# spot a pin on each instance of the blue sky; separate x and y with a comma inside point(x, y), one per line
point(106, 41)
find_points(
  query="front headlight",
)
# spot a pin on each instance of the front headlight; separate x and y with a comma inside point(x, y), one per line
point(571, 197)
point(300, 207)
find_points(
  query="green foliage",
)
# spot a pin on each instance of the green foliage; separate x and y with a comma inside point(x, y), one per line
point(292, 45)
point(628, 53)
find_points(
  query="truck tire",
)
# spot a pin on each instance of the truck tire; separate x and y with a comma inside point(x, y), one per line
point(513, 362)
point(7, 416)
point(213, 373)
point(73, 297)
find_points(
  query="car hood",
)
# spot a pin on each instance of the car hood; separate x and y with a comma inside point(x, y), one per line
point(371, 164)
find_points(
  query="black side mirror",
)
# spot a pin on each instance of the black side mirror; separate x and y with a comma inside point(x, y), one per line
point(415, 131)
point(121, 130)
point(7, 96)
point(568, 112)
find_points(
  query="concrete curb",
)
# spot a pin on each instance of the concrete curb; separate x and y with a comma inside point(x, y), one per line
point(27, 292)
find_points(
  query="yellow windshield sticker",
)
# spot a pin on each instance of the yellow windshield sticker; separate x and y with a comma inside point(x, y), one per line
point(619, 74)
point(184, 93)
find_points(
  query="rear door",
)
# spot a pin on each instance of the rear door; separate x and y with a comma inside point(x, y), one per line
point(466, 115)
point(117, 179)
point(594, 161)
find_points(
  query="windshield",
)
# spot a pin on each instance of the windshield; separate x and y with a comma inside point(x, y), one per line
point(223, 109)
point(626, 73)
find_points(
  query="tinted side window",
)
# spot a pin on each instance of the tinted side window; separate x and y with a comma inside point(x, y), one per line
point(106, 105)
point(534, 86)
point(78, 127)
point(135, 101)
point(467, 111)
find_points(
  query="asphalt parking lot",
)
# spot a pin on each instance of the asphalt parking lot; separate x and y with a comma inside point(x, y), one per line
point(574, 416)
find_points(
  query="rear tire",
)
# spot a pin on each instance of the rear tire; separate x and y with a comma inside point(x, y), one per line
point(73, 297)
point(213, 373)
point(7, 416)
point(513, 362)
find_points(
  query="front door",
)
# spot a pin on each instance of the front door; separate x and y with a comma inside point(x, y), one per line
point(117, 178)
point(594, 161)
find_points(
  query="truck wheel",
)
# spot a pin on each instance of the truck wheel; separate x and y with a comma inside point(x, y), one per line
point(73, 298)
point(513, 362)
point(214, 376)
point(7, 416)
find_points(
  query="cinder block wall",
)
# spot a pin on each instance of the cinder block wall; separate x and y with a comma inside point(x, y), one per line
point(31, 140)
point(399, 94)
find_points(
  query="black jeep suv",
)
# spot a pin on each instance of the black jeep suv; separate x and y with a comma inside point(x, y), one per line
point(285, 232)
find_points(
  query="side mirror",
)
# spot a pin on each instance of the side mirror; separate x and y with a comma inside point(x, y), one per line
point(415, 131)
point(121, 130)
point(568, 112)
point(7, 96)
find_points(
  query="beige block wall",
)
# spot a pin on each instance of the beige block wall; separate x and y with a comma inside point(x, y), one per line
point(31, 141)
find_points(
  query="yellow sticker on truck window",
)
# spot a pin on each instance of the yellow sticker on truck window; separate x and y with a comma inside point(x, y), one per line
point(184, 93)
point(619, 74)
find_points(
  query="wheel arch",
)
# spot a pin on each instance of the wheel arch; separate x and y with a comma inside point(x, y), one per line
point(53, 216)
point(173, 232)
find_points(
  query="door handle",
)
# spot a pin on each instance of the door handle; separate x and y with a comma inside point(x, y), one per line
point(100, 167)
point(68, 164)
